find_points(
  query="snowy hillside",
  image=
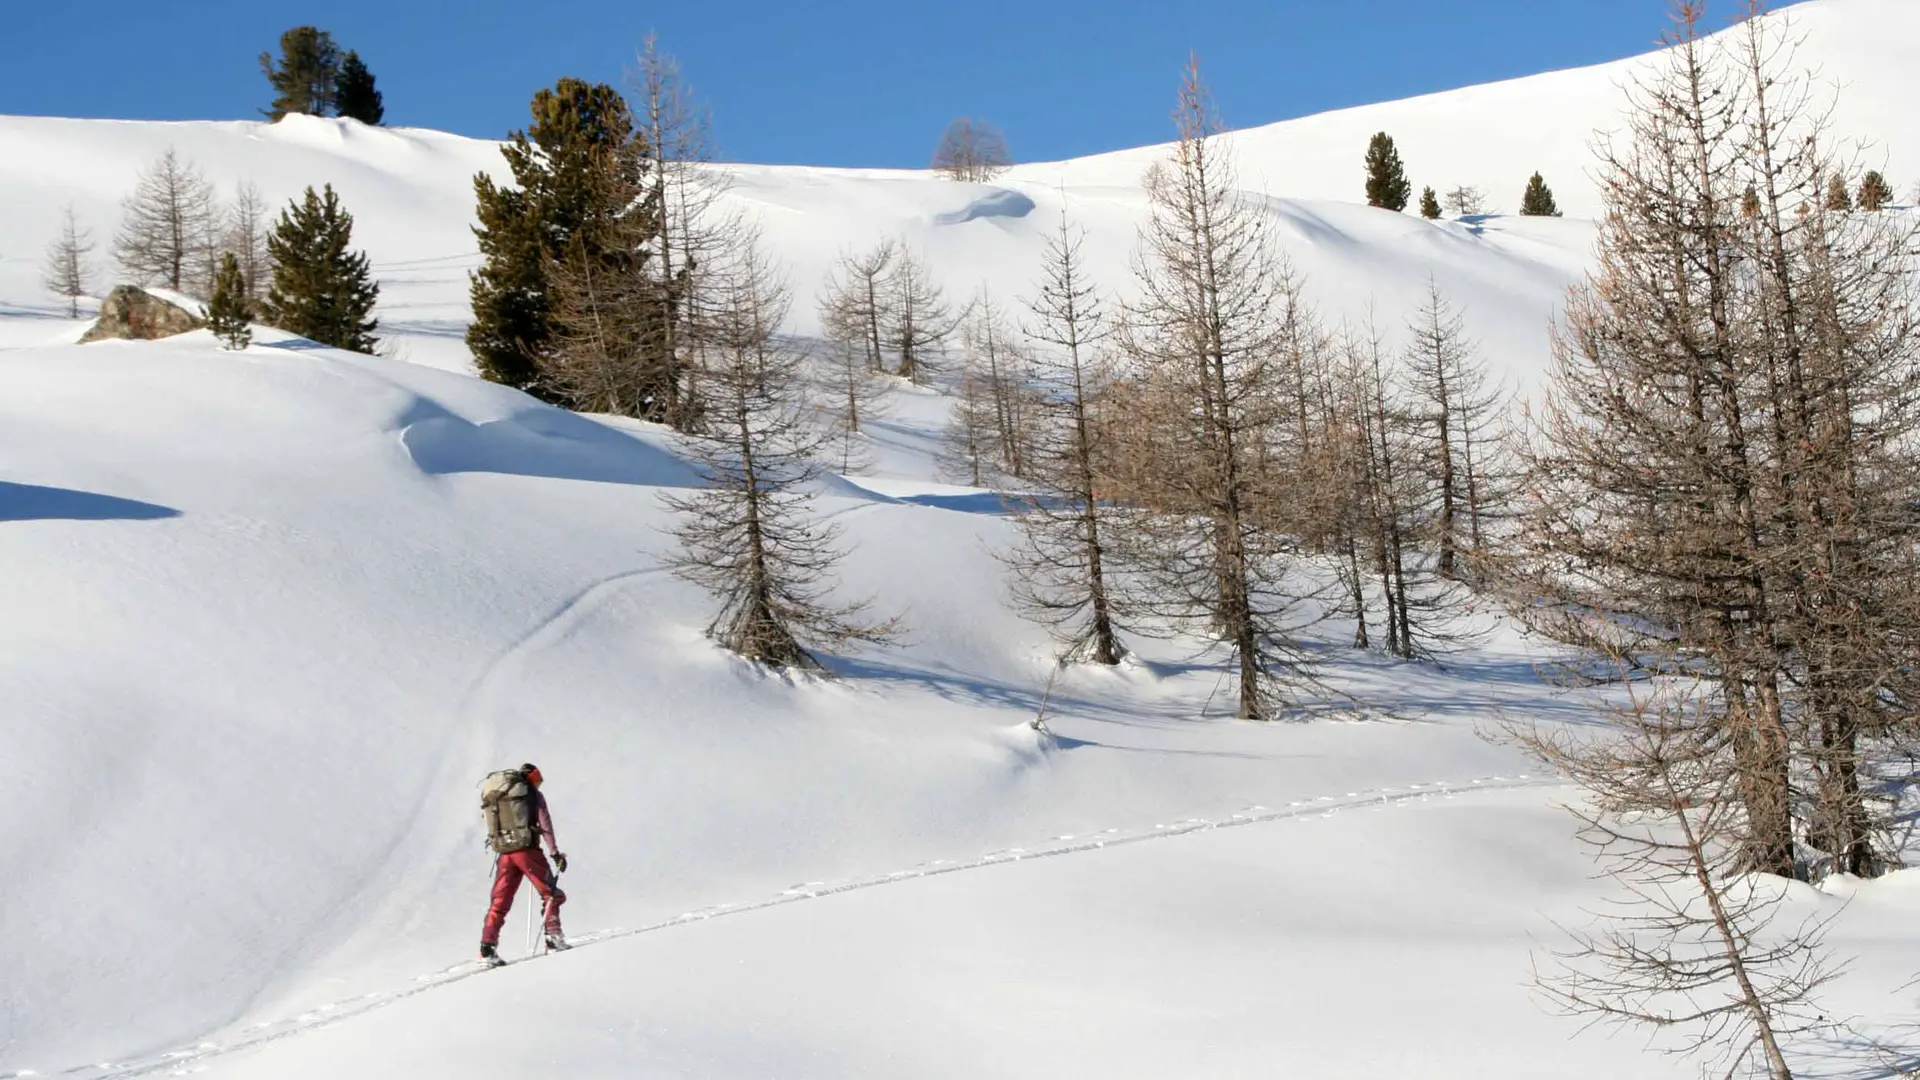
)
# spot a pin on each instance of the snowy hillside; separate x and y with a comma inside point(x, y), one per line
point(266, 618)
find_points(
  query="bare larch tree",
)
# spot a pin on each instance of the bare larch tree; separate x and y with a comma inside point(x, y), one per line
point(1206, 330)
point(750, 537)
point(971, 150)
point(695, 229)
point(1063, 564)
point(66, 271)
point(246, 236)
point(167, 227)
point(855, 300)
point(1683, 946)
point(919, 319)
point(853, 392)
point(1721, 492)
point(1457, 414)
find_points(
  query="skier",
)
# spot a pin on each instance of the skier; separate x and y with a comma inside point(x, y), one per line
point(517, 818)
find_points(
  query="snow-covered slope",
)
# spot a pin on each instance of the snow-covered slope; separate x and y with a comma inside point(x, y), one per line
point(272, 614)
point(1496, 135)
point(265, 618)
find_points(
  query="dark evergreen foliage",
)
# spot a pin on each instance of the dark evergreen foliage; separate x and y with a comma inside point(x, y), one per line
point(1838, 198)
point(304, 79)
point(355, 96)
point(321, 289)
point(227, 313)
point(1387, 184)
point(1538, 199)
point(561, 164)
point(1875, 193)
point(1429, 204)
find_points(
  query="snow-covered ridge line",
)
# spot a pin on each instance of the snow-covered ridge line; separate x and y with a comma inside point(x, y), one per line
point(177, 1061)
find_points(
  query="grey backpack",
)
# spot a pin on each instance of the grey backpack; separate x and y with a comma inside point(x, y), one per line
point(506, 805)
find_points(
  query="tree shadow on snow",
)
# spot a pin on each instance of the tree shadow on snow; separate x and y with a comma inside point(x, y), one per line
point(30, 502)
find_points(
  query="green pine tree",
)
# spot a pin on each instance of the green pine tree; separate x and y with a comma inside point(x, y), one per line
point(1429, 204)
point(1875, 193)
point(227, 312)
point(581, 133)
point(304, 79)
point(1387, 184)
point(1538, 199)
point(1838, 197)
point(321, 288)
point(1750, 203)
point(354, 95)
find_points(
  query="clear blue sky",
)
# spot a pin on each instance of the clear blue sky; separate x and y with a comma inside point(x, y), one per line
point(827, 82)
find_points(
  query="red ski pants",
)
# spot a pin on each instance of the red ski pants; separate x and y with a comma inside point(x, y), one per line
point(514, 865)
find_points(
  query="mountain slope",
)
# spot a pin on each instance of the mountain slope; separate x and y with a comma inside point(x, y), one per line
point(269, 616)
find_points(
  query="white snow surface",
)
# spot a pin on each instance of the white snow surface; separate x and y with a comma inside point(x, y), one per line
point(267, 617)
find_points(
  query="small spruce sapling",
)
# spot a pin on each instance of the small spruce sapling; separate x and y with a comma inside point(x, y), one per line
point(227, 312)
point(1537, 201)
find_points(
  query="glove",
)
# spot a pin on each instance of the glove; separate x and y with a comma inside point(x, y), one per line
point(560, 861)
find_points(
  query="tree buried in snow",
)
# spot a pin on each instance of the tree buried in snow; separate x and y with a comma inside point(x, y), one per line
point(749, 537)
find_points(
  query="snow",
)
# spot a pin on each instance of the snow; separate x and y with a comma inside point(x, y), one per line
point(270, 615)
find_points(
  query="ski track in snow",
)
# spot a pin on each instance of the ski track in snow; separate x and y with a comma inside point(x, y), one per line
point(181, 1061)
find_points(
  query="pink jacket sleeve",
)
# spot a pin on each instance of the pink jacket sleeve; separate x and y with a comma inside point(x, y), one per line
point(543, 821)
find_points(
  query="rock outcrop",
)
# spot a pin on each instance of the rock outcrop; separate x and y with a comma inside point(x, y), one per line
point(130, 312)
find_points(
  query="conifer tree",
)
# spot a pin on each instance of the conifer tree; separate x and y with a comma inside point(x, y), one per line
point(1875, 193)
point(167, 226)
point(355, 96)
point(1205, 333)
point(304, 80)
point(1429, 204)
point(227, 311)
point(1537, 201)
point(246, 238)
point(1064, 563)
point(65, 271)
point(1839, 199)
point(581, 133)
point(749, 536)
point(322, 289)
point(1387, 184)
point(921, 320)
point(852, 312)
point(694, 229)
point(857, 298)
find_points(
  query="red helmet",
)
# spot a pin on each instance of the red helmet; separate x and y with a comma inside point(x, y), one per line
point(532, 773)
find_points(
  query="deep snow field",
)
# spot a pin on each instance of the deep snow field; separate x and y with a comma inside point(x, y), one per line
point(266, 619)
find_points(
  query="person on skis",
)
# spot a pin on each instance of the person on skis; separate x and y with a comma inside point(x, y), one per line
point(517, 822)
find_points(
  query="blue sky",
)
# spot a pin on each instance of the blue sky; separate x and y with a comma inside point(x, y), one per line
point(828, 82)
